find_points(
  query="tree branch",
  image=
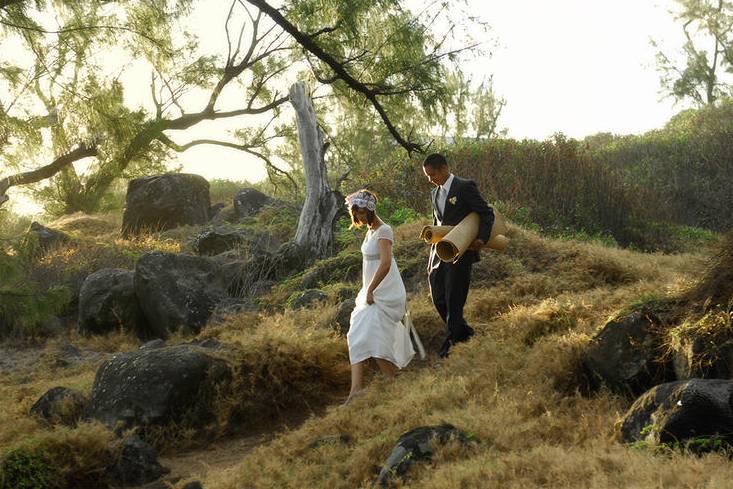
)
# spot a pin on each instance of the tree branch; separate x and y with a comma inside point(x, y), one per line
point(325, 30)
point(247, 148)
point(83, 151)
point(310, 45)
point(7, 3)
point(88, 28)
point(188, 120)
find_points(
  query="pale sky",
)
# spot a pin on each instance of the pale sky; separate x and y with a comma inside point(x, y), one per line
point(573, 66)
point(578, 66)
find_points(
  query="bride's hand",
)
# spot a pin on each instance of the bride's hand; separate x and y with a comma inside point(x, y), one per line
point(370, 297)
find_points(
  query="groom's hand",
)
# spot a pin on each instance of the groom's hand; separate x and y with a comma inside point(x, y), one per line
point(476, 245)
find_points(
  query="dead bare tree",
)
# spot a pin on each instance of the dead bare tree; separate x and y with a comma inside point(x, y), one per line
point(322, 205)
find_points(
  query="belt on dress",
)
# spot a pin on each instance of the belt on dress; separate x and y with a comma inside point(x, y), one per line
point(371, 257)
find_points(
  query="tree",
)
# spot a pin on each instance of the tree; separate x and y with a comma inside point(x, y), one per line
point(704, 23)
point(361, 147)
point(322, 205)
point(346, 46)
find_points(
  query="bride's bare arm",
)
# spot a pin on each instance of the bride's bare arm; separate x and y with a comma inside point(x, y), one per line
point(385, 262)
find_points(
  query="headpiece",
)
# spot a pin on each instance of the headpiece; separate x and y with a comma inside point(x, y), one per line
point(362, 199)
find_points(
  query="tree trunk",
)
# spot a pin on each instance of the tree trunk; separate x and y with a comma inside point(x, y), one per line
point(322, 205)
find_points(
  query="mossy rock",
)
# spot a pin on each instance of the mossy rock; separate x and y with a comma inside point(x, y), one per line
point(306, 299)
point(344, 267)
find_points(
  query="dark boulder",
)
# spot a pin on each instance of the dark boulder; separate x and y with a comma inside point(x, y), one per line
point(344, 267)
point(249, 201)
point(246, 242)
point(216, 241)
point(233, 266)
point(343, 316)
point(416, 445)
point(107, 302)
point(177, 291)
point(231, 306)
point(153, 344)
point(626, 355)
point(215, 209)
point(138, 464)
point(167, 201)
point(47, 238)
point(63, 355)
point(60, 405)
point(694, 413)
point(307, 298)
point(157, 386)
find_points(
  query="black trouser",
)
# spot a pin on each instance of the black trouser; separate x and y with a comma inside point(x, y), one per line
point(449, 290)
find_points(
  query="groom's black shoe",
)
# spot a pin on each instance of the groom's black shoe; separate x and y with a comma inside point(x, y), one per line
point(443, 352)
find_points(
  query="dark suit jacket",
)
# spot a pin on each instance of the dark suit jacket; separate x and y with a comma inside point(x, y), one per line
point(467, 199)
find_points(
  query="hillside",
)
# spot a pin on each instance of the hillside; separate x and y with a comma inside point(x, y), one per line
point(518, 389)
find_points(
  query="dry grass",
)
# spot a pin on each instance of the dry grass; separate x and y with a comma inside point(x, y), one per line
point(516, 387)
point(283, 361)
point(87, 225)
point(715, 288)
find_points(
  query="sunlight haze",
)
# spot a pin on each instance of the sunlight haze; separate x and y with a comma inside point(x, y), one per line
point(577, 67)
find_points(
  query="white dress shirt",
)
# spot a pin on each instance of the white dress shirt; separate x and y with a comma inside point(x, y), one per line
point(440, 198)
point(442, 195)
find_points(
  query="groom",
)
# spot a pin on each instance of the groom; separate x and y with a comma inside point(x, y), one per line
point(453, 199)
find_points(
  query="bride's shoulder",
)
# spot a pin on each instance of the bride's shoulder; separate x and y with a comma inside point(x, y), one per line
point(385, 230)
point(384, 227)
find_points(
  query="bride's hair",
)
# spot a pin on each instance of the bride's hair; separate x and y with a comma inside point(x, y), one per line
point(362, 199)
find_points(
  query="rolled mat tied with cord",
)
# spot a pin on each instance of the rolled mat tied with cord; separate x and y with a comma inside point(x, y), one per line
point(452, 241)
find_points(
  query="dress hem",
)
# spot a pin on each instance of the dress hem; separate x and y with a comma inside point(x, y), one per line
point(391, 360)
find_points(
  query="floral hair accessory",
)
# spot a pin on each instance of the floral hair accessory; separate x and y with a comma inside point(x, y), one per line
point(362, 199)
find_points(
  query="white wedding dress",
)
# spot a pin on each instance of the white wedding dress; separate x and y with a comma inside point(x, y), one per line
point(377, 329)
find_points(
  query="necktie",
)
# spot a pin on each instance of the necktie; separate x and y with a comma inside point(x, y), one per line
point(438, 193)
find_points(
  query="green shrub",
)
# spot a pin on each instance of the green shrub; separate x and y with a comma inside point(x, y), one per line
point(688, 165)
point(23, 469)
point(11, 225)
point(114, 199)
point(221, 190)
point(23, 306)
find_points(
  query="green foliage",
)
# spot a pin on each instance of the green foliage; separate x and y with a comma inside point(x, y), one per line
point(403, 215)
point(23, 307)
point(114, 199)
point(345, 237)
point(84, 101)
point(683, 170)
point(280, 221)
point(343, 268)
point(24, 469)
point(394, 51)
point(516, 213)
point(394, 214)
point(11, 225)
point(666, 190)
point(554, 184)
point(582, 235)
point(706, 24)
point(221, 190)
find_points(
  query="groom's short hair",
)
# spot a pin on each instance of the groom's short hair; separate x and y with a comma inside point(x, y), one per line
point(435, 160)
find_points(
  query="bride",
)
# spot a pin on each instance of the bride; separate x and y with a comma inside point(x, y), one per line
point(376, 329)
